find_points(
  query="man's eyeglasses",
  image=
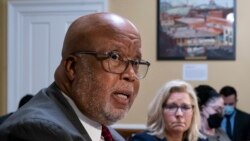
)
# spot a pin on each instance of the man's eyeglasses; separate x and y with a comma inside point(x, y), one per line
point(114, 63)
point(172, 108)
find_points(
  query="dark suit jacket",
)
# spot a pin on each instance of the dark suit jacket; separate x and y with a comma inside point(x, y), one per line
point(241, 131)
point(4, 117)
point(144, 136)
point(47, 117)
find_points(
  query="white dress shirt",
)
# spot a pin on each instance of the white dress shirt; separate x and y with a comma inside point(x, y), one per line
point(93, 128)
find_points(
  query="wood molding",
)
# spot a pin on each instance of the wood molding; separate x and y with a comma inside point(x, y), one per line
point(3, 56)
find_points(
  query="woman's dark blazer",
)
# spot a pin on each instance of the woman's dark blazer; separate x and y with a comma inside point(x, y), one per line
point(144, 136)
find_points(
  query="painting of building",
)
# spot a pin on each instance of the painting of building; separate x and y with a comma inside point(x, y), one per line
point(196, 29)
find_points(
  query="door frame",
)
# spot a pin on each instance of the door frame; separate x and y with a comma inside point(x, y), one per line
point(17, 9)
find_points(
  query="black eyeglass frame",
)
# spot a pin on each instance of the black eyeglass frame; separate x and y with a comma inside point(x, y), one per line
point(108, 55)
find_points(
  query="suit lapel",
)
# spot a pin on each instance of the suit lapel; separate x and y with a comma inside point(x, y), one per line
point(56, 95)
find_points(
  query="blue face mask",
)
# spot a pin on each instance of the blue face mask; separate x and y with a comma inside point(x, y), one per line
point(229, 110)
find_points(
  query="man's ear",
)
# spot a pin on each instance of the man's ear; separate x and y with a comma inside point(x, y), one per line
point(69, 66)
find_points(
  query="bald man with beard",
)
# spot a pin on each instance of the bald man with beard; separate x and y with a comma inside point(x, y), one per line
point(95, 84)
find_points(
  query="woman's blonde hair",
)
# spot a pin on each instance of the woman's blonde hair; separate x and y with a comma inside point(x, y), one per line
point(155, 121)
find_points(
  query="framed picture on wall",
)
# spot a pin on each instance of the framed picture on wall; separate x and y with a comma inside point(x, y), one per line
point(196, 29)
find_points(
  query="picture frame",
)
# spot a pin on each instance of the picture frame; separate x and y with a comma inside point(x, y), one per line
point(196, 29)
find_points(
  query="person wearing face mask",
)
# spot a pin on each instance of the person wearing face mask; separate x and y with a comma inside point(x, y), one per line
point(211, 110)
point(236, 123)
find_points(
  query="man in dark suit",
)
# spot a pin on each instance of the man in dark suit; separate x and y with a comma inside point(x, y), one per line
point(95, 84)
point(236, 123)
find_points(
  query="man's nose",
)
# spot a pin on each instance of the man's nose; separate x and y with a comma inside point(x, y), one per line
point(129, 73)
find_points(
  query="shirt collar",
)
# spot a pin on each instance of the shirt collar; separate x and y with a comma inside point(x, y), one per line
point(93, 128)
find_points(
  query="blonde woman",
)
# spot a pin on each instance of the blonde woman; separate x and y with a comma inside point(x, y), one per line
point(173, 115)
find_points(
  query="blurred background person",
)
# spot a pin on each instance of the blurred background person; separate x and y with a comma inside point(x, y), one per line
point(211, 109)
point(173, 115)
point(236, 123)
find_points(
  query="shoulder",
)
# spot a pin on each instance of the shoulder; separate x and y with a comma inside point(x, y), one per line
point(4, 117)
point(33, 129)
point(44, 106)
point(40, 108)
point(242, 116)
point(145, 136)
point(222, 134)
point(202, 139)
point(242, 113)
